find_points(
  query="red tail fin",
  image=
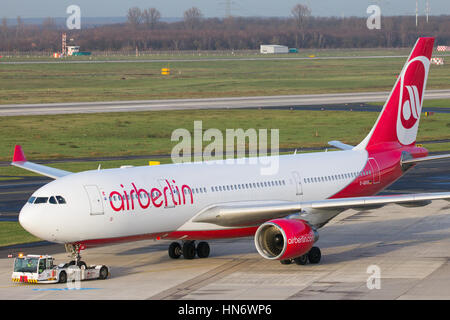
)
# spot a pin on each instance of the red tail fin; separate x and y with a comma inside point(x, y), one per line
point(399, 120)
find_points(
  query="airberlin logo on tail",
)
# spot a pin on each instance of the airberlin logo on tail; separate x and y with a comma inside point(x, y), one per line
point(411, 107)
point(412, 87)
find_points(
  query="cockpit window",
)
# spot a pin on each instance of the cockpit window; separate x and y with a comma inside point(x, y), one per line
point(60, 199)
point(41, 200)
point(51, 199)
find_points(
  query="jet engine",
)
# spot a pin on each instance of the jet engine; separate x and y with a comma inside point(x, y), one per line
point(282, 239)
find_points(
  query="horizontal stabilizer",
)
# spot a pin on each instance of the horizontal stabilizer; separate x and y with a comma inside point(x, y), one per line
point(340, 145)
point(423, 159)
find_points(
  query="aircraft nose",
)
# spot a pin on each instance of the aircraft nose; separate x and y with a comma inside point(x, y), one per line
point(28, 219)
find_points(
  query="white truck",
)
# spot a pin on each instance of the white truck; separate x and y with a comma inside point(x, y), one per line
point(41, 269)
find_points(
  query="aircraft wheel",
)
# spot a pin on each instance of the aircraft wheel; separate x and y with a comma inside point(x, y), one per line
point(175, 250)
point(314, 255)
point(286, 261)
point(189, 250)
point(302, 260)
point(203, 249)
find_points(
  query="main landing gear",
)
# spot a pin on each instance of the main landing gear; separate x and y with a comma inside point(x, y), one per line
point(188, 250)
point(313, 256)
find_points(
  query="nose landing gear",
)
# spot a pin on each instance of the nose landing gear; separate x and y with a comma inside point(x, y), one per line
point(188, 250)
point(74, 254)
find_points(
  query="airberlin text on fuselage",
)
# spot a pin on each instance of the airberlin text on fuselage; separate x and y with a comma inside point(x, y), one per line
point(171, 194)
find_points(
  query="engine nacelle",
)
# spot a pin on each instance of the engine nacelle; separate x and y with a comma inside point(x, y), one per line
point(281, 239)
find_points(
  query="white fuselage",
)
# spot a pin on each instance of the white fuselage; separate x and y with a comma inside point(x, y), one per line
point(125, 202)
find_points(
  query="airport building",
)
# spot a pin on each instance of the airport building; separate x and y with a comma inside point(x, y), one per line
point(273, 48)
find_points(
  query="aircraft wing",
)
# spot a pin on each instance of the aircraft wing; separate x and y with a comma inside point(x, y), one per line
point(340, 145)
point(19, 160)
point(253, 213)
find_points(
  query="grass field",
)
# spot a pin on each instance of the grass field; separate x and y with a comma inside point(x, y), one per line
point(144, 133)
point(13, 233)
point(46, 83)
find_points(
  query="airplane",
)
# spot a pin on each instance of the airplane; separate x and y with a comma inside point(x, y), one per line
point(200, 201)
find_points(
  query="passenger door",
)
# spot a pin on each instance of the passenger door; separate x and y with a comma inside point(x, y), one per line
point(95, 199)
point(298, 183)
point(375, 170)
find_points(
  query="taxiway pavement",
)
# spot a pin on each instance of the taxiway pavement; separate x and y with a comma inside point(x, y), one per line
point(205, 103)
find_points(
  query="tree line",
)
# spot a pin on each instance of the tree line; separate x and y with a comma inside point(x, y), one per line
point(145, 30)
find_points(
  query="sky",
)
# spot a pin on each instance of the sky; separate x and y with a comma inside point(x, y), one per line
point(215, 8)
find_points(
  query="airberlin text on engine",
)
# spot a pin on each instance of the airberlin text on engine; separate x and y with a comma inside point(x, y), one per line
point(167, 195)
point(307, 238)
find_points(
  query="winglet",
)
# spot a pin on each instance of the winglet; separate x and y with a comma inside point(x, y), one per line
point(19, 156)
